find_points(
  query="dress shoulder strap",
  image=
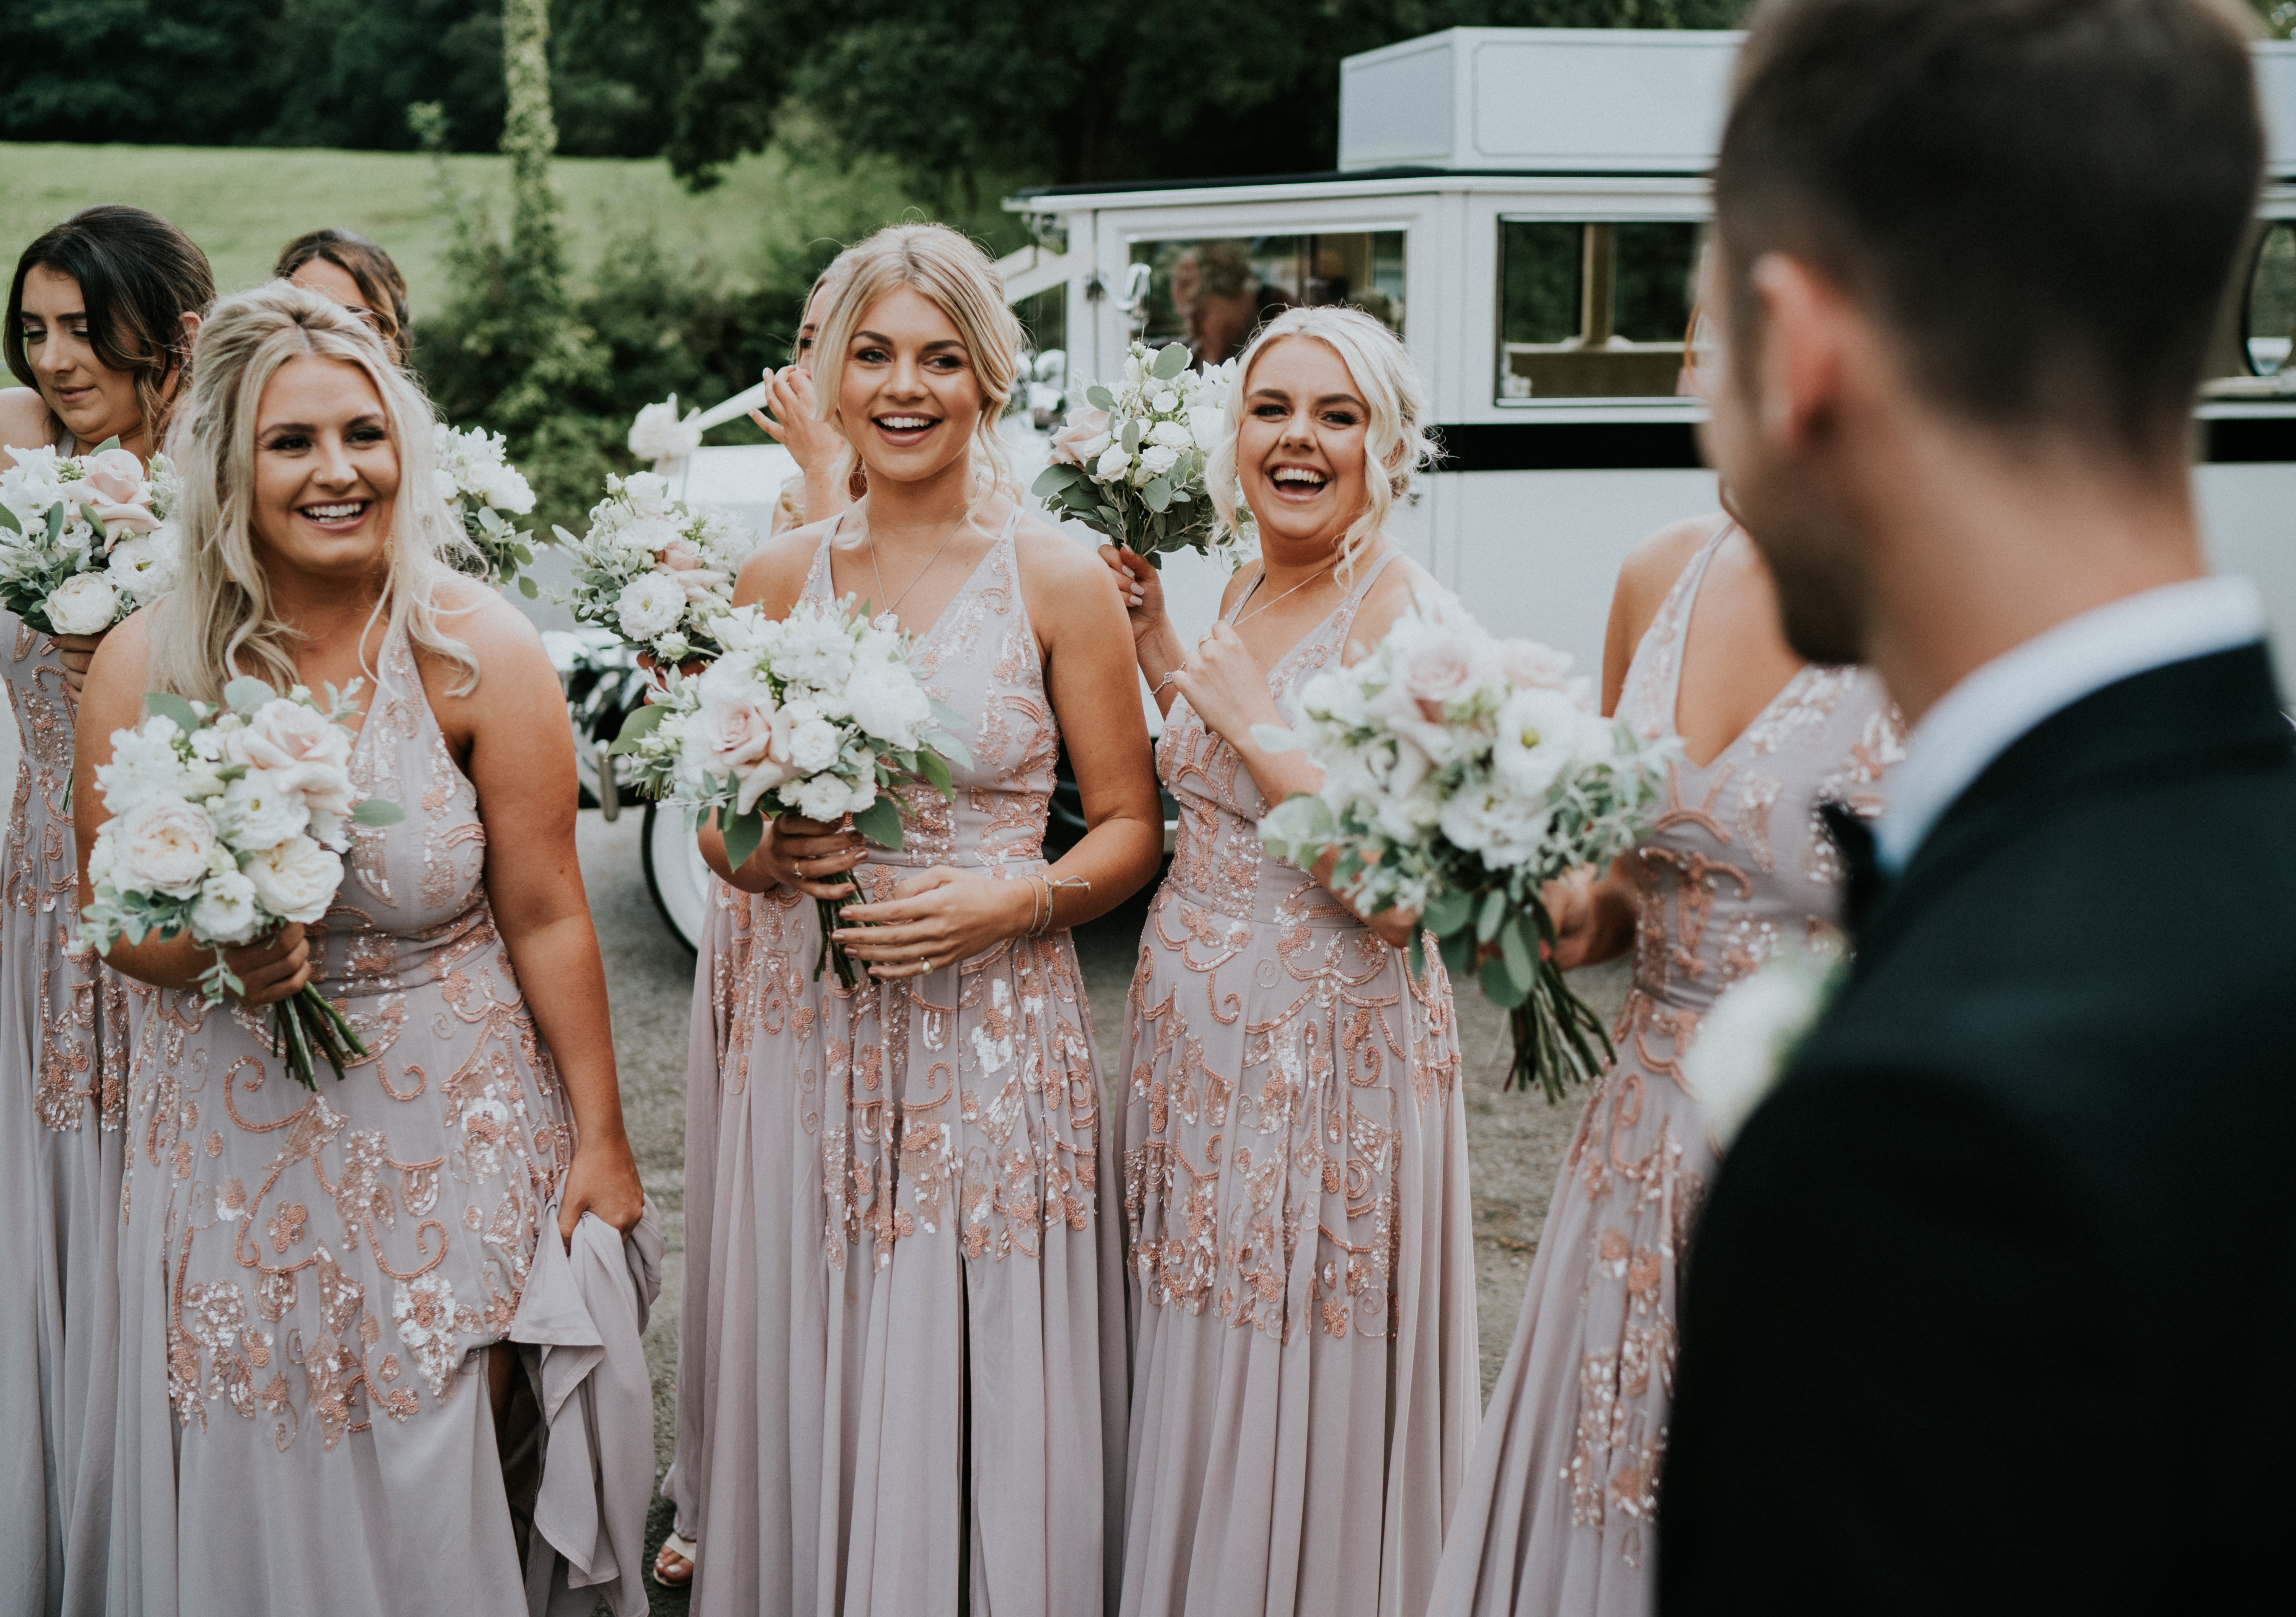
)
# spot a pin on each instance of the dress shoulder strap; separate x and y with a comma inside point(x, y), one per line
point(1359, 594)
point(1653, 684)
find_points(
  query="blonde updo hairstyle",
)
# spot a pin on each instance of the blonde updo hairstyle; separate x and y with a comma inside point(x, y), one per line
point(218, 621)
point(1395, 438)
point(957, 276)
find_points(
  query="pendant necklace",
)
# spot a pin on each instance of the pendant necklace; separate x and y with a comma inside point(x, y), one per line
point(1244, 617)
point(870, 538)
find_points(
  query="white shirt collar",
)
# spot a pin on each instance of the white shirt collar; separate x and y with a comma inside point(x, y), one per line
point(1975, 722)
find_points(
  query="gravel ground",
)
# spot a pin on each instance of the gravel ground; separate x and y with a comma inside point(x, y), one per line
point(1515, 1142)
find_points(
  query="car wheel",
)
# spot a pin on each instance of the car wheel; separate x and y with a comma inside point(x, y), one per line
point(677, 876)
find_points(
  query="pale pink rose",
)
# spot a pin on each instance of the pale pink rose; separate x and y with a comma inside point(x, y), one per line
point(682, 560)
point(308, 752)
point(1529, 666)
point(699, 583)
point(1082, 437)
point(116, 476)
point(1434, 671)
point(163, 848)
point(681, 554)
point(744, 735)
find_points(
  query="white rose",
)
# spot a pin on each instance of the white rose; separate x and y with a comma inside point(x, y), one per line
point(659, 435)
point(85, 603)
point(144, 565)
point(297, 879)
point(812, 746)
point(648, 537)
point(1537, 735)
point(163, 846)
point(305, 752)
point(1113, 463)
point(259, 812)
point(1157, 459)
point(647, 492)
point(1173, 433)
point(1164, 402)
point(890, 704)
point(225, 912)
point(824, 797)
point(650, 604)
point(1207, 423)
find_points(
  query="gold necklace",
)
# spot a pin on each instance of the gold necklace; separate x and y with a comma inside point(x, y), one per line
point(1241, 618)
point(869, 538)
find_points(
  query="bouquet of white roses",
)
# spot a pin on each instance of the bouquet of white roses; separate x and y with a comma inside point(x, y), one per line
point(655, 573)
point(1130, 463)
point(227, 824)
point(84, 539)
point(817, 713)
point(1461, 774)
point(485, 491)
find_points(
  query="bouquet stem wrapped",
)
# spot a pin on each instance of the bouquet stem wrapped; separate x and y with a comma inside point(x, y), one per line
point(1461, 775)
point(228, 823)
point(818, 714)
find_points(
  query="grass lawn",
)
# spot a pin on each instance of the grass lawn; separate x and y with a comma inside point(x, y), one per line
point(242, 204)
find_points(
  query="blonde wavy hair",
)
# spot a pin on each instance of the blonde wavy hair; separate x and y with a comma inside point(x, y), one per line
point(218, 621)
point(957, 276)
point(1395, 437)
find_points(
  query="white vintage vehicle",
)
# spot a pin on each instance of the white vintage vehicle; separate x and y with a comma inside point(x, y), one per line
point(1524, 207)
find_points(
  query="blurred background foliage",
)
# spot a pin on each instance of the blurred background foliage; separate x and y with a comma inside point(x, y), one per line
point(729, 148)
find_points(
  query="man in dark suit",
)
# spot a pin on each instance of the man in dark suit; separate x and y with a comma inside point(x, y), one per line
point(1991, 1306)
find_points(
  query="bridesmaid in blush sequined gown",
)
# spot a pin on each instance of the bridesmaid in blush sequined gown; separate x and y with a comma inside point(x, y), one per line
point(321, 1407)
point(1560, 1510)
point(63, 1015)
point(1295, 1162)
point(901, 1356)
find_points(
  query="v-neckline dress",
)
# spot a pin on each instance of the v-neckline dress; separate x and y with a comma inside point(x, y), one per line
point(1561, 1505)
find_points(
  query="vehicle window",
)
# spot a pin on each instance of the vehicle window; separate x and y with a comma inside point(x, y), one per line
point(1593, 310)
point(1212, 293)
point(2260, 361)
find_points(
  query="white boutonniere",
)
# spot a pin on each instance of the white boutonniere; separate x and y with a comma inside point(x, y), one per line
point(1743, 1046)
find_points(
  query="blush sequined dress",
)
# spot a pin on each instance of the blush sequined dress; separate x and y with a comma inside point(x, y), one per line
point(308, 1277)
point(1301, 1264)
point(901, 1343)
point(63, 1037)
point(1561, 1506)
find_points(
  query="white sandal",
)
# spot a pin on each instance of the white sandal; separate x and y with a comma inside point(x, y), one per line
point(686, 1550)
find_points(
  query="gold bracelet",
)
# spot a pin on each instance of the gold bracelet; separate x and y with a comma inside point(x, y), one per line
point(1049, 884)
point(1040, 914)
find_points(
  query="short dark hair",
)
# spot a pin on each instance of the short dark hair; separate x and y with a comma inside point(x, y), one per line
point(380, 283)
point(2043, 198)
point(138, 278)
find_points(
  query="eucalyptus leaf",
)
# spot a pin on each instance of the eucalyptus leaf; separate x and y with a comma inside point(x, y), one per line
point(1170, 361)
point(1052, 478)
point(1459, 952)
point(880, 822)
point(526, 587)
point(1132, 437)
point(1499, 988)
point(168, 705)
point(636, 727)
point(1157, 495)
point(1100, 397)
point(1448, 912)
point(934, 769)
point(1521, 957)
point(9, 520)
point(109, 443)
point(1486, 924)
point(376, 811)
point(246, 694)
point(744, 833)
point(56, 523)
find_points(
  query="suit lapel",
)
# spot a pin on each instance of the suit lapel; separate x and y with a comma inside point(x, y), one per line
point(2205, 713)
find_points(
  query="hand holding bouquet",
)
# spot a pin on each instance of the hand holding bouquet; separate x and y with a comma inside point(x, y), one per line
point(818, 713)
point(1130, 464)
point(228, 823)
point(1462, 774)
point(84, 539)
point(655, 573)
point(480, 485)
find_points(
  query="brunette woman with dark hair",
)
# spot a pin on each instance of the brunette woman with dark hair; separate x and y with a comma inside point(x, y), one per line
point(101, 314)
point(345, 266)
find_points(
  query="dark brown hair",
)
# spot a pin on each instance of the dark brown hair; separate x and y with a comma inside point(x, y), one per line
point(380, 283)
point(138, 278)
point(2042, 199)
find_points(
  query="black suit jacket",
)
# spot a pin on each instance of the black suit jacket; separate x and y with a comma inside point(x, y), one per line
point(1991, 1307)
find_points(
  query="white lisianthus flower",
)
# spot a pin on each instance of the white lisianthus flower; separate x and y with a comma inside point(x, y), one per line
point(672, 648)
point(295, 880)
point(86, 603)
point(144, 565)
point(163, 846)
point(862, 791)
point(824, 797)
point(812, 746)
point(259, 812)
point(889, 704)
point(647, 537)
point(650, 604)
point(226, 911)
point(1113, 464)
point(1538, 734)
point(1495, 823)
point(143, 766)
point(646, 493)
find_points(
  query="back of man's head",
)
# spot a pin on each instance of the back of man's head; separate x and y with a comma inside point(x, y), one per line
point(2042, 200)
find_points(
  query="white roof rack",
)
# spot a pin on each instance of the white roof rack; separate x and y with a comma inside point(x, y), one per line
point(1594, 100)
